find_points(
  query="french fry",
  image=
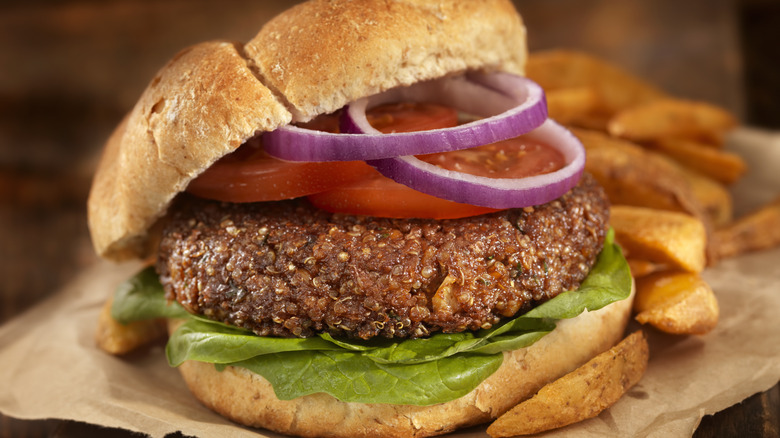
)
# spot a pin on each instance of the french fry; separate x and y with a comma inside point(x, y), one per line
point(616, 88)
point(116, 338)
point(672, 118)
point(720, 165)
point(756, 231)
point(670, 238)
point(581, 394)
point(676, 302)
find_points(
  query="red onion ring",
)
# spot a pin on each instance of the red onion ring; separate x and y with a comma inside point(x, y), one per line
point(510, 106)
point(494, 192)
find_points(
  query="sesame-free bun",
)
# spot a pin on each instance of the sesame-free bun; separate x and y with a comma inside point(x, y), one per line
point(248, 398)
point(205, 103)
point(322, 55)
point(312, 59)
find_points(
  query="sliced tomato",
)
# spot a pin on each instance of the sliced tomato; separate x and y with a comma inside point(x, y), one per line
point(518, 157)
point(409, 117)
point(380, 196)
point(377, 195)
point(251, 175)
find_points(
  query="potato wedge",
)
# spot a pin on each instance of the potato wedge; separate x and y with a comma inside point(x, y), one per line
point(756, 231)
point(632, 175)
point(674, 239)
point(680, 303)
point(581, 394)
point(116, 338)
point(572, 105)
point(713, 196)
point(726, 167)
point(641, 268)
point(594, 121)
point(672, 118)
point(617, 89)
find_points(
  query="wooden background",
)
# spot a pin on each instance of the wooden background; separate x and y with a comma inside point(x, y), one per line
point(69, 70)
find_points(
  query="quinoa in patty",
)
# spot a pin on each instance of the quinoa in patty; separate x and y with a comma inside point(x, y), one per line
point(289, 269)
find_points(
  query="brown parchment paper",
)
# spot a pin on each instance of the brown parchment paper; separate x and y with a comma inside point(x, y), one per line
point(50, 367)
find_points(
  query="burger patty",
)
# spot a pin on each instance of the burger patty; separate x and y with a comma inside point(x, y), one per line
point(289, 269)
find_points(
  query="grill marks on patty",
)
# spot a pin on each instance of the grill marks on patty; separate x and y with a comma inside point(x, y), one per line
point(288, 269)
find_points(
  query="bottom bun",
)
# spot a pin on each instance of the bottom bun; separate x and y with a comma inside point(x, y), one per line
point(249, 399)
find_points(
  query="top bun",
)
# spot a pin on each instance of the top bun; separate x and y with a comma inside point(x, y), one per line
point(312, 59)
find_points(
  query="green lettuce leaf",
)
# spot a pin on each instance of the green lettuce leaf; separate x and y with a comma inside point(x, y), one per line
point(209, 341)
point(142, 297)
point(414, 371)
point(350, 376)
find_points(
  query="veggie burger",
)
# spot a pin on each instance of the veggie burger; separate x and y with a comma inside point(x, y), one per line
point(361, 222)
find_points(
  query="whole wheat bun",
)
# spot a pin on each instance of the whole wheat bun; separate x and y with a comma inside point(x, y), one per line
point(248, 398)
point(312, 59)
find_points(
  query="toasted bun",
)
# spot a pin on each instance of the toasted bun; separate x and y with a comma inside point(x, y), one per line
point(247, 398)
point(312, 59)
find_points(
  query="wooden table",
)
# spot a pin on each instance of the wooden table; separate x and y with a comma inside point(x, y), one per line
point(72, 69)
